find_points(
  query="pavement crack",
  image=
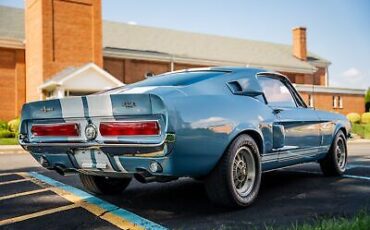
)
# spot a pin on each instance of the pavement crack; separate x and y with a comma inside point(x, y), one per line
point(108, 211)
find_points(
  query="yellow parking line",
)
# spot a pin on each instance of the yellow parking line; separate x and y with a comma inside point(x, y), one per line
point(14, 181)
point(23, 194)
point(37, 214)
point(96, 210)
point(106, 211)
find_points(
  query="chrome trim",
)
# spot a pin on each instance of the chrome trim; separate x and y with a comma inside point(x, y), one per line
point(88, 144)
point(58, 123)
point(94, 144)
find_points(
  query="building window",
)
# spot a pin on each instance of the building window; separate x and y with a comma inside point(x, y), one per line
point(337, 102)
point(340, 102)
point(310, 100)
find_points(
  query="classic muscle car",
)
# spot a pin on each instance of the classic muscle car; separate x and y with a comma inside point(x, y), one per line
point(222, 125)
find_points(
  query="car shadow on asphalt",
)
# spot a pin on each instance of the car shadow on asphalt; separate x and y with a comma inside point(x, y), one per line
point(186, 197)
point(282, 199)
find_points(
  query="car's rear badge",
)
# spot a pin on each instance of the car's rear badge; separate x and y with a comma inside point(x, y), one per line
point(46, 109)
point(129, 104)
point(91, 132)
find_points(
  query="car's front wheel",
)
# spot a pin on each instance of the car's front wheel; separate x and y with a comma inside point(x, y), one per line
point(236, 179)
point(335, 161)
point(104, 185)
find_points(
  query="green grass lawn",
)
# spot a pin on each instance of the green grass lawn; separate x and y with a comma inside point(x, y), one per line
point(359, 222)
point(8, 141)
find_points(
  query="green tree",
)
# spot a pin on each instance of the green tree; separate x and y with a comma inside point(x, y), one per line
point(367, 100)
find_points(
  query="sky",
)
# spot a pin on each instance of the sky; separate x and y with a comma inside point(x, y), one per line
point(337, 30)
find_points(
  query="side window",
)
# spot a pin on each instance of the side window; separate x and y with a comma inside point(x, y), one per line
point(276, 92)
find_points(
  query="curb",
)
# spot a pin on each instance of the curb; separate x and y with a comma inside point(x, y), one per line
point(359, 141)
point(17, 149)
point(12, 149)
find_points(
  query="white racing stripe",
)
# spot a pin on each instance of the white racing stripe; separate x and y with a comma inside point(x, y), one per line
point(72, 107)
point(139, 90)
point(100, 105)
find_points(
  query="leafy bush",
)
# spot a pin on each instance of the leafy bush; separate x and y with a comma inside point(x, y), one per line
point(367, 95)
point(13, 125)
point(6, 134)
point(363, 130)
point(354, 117)
point(367, 131)
point(367, 100)
point(365, 118)
point(358, 129)
point(3, 125)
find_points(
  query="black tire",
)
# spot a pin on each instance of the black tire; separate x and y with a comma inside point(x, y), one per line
point(220, 185)
point(331, 165)
point(104, 185)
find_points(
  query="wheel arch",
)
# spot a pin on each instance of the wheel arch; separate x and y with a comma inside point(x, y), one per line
point(340, 128)
point(343, 130)
point(257, 137)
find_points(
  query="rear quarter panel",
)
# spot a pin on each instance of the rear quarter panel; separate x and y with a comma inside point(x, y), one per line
point(331, 123)
point(205, 125)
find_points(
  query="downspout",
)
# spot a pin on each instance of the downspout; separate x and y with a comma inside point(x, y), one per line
point(172, 64)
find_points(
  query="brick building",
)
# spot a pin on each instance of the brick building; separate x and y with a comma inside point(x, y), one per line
point(40, 42)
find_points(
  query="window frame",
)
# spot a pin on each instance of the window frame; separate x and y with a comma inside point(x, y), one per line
point(284, 80)
point(310, 100)
point(335, 102)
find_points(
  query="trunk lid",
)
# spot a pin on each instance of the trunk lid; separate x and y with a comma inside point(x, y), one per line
point(94, 109)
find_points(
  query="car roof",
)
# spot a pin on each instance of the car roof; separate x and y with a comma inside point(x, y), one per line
point(223, 68)
point(234, 69)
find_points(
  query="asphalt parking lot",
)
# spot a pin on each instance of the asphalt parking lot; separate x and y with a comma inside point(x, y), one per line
point(33, 198)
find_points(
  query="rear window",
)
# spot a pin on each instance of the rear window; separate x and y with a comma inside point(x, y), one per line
point(171, 79)
point(178, 79)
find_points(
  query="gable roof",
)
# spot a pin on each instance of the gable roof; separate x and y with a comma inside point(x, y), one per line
point(122, 39)
point(11, 23)
point(71, 72)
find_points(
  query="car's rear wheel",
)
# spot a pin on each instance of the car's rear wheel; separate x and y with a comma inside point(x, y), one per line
point(104, 185)
point(334, 163)
point(236, 179)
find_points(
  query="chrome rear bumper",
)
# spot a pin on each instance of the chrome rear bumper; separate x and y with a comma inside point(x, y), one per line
point(128, 149)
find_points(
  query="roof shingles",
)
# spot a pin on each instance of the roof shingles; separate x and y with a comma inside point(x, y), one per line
point(184, 44)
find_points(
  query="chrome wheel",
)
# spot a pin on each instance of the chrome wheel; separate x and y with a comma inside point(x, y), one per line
point(243, 171)
point(340, 153)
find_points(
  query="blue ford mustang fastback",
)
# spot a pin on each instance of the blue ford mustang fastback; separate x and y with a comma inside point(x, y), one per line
point(222, 125)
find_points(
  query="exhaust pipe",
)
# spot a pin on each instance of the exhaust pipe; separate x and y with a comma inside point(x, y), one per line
point(62, 170)
point(144, 177)
point(59, 169)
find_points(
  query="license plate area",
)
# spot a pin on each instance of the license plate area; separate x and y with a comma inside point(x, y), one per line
point(93, 159)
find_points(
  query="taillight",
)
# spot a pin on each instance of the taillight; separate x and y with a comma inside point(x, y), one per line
point(142, 128)
point(55, 130)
